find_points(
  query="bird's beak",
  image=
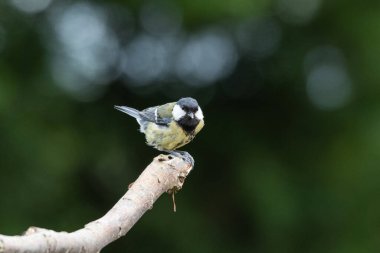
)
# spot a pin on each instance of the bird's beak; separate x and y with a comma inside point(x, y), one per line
point(191, 115)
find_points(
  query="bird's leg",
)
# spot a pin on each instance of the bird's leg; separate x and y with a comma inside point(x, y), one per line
point(183, 155)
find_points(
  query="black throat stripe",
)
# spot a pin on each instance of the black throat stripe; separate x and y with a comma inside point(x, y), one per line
point(188, 124)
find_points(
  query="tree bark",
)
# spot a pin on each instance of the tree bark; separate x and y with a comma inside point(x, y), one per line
point(164, 174)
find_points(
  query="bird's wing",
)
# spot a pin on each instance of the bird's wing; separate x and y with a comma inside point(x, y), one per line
point(165, 111)
point(161, 115)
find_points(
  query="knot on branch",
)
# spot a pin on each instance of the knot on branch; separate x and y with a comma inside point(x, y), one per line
point(181, 167)
point(34, 230)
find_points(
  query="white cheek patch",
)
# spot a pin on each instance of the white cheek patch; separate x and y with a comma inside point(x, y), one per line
point(199, 114)
point(178, 112)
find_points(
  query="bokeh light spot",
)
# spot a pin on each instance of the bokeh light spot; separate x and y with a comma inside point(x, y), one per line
point(328, 83)
point(329, 86)
point(87, 47)
point(65, 74)
point(297, 11)
point(206, 58)
point(30, 6)
point(259, 38)
point(147, 58)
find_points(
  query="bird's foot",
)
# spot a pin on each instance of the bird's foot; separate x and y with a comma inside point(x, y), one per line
point(183, 155)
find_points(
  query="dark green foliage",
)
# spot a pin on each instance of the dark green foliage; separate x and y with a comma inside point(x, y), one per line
point(289, 159)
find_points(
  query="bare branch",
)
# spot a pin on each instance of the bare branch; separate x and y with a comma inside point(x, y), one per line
point(164, 174)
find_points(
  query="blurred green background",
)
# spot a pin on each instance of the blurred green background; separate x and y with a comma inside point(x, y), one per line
point(289, 160)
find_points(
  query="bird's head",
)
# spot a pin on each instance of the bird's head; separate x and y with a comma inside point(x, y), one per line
point(187, 113)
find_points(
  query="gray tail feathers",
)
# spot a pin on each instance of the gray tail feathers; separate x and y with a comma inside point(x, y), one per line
point(128, 110)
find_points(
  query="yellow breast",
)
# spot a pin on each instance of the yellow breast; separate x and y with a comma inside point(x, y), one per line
point(168, 138)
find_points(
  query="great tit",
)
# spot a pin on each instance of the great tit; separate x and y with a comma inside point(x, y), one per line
point(169, 126)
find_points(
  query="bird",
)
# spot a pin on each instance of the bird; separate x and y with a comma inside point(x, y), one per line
point(169, 126)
